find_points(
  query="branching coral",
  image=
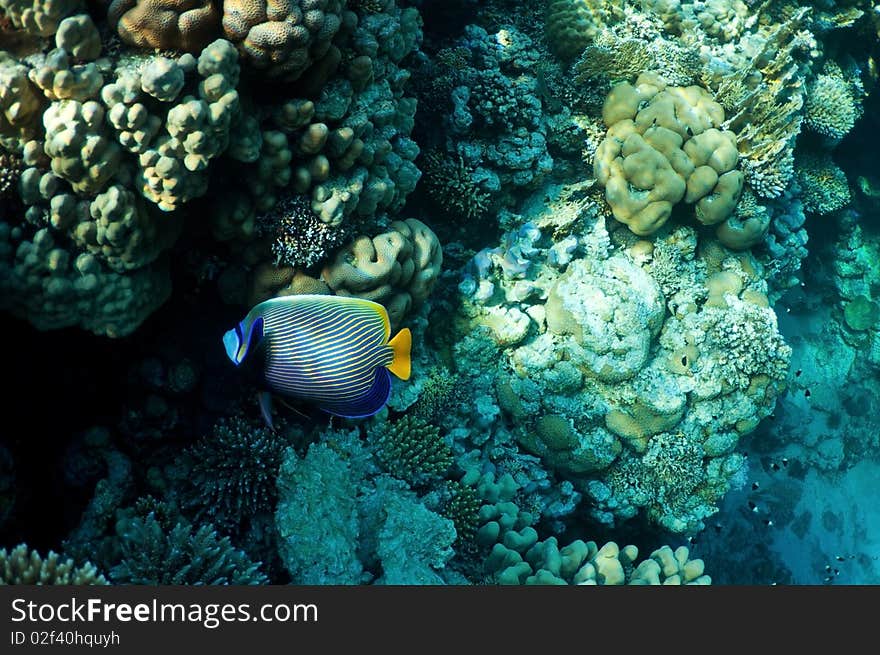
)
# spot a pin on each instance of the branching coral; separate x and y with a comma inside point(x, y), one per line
point(441, 391)
point(763, 99)
point(233, 472)
point(179, 554)
point(22, 566)
point(617, 58)
point(824, 187)
point(452, 186)
point(412, 449)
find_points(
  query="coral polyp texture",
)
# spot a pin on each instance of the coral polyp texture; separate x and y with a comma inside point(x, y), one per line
point(626, 251)
point(165, 24)
point(283, 40)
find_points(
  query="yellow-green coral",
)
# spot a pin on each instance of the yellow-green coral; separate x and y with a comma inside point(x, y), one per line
point(122, 231)
point(623, 59)
point(187, 25)
point(824, 187)
point(571, 25)
point(82, 152)
point(585, 563)
point(763, 98)
point(832, 104)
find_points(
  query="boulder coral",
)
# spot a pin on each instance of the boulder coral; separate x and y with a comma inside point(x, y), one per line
point(283, 39)
point(185, 25)
point(627, 356)
point(397, 268)
point(664, 146)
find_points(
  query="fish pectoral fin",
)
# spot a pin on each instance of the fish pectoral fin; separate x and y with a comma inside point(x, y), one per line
point(265, 400)
point(291, 407)
point(367, 403)
point(400, 346)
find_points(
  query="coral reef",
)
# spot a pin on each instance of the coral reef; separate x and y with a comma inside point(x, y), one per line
point(634, 246)
point(595, 375)
point(105, 141)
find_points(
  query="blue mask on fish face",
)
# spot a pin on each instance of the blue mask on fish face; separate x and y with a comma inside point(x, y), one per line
point(240, 339)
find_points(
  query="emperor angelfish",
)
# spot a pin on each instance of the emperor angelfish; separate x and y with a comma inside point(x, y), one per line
point(332, 351)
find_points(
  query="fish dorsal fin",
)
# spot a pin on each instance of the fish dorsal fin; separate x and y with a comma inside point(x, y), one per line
point(400, 346)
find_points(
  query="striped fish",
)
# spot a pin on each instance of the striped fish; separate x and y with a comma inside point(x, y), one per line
point(332, 351)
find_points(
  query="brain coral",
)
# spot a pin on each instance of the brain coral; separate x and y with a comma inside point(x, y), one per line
point(397, 268)
point(663, 146)
point(187, 25)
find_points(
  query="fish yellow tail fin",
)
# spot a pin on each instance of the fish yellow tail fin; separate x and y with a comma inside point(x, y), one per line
point(400, 345)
